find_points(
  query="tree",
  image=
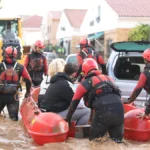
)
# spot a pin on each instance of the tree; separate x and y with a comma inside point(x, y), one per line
point(140, 33)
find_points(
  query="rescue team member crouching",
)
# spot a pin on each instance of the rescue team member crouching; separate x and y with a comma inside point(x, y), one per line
point(144, 82)
point(36, 64)
point(86, 51)
point(103, 97)
point(10, 73)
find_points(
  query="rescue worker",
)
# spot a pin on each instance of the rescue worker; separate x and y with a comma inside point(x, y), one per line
point(36, 64)
point(103, 97)
point(144, 82)
point(86, 51)
point(61, 50)
point(10, 73)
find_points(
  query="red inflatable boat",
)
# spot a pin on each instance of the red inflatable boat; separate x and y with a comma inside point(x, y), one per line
point(135, 128)
point(128, 107)
point(43, 127)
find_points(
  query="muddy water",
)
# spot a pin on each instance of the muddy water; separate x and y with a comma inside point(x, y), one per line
point(13, 136)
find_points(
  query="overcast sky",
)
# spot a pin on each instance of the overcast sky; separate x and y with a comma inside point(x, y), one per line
point(41, 6)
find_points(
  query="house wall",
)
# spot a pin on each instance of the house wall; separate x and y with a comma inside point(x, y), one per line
point(116, 35)
point(31, 35)
point(53, 32)
point(125, 22)
point(50, 26)
point(64, 23)
point(108, 19)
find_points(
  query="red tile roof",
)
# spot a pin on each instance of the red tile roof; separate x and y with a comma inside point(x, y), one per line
point(32, 22)
point(75, 16)
point(131, 8)
point(55, 14)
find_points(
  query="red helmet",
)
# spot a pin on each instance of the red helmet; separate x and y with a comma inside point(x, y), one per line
point(146, 54)
point(84, 43)
point(39, 44)
point(11, 52)
point(88, 65)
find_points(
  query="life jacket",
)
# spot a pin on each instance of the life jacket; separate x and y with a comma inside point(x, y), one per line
point(9, 79)
point(89, 53)
point(86, 53)
point(100, 89)
point(36, 63)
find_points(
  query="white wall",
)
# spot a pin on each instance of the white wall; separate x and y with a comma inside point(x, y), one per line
point(69, 30)
point(131, 22)
point(65, 24)
point(30, 37)
point(108, 19)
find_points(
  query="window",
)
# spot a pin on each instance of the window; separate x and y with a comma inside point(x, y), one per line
point(129, 68)
point(99, 11)
point(92, 23)
point(48, 29)
point(3, 26)
point(98, 14)
point(72, 59)
point(63, 28)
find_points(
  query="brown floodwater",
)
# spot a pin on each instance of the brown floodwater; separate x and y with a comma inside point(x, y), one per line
point(13, 136)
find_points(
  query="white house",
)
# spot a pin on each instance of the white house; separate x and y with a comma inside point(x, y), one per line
point(69, 28)
point(111, 20)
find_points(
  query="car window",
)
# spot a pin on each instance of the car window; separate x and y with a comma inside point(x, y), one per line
point(50, 56)
point(72, 59)
point(129, 68)
point(45, 54)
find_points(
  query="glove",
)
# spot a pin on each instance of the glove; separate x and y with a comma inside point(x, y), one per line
point(126, 101)
point(27, 95)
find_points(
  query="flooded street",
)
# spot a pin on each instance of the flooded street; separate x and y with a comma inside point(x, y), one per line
point(13, 136)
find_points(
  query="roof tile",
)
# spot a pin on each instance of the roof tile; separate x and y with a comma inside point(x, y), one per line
point(32, 22)
point(131, 8)
point(55, 14)
point(75, 16)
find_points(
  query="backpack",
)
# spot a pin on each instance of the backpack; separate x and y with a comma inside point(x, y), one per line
point(9, 80)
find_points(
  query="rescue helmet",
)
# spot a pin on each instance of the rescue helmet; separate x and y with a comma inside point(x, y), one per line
point(39, 44)
point(84, 43)
point(10, 52)
point(88, 65)
point(146, 54)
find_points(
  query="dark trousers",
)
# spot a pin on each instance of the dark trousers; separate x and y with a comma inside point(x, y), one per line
point(108, 117)
point(37, 78)
point(12, 105)
point(40, 97)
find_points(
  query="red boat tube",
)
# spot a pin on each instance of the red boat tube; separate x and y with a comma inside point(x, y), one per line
point(34, 93)
point(43, 127)
point(135, 128)
point(128, 107)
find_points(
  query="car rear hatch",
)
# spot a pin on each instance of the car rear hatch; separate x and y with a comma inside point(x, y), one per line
point(127, 64)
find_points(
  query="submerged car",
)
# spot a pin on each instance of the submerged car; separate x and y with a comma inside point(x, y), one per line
point(125, 65)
